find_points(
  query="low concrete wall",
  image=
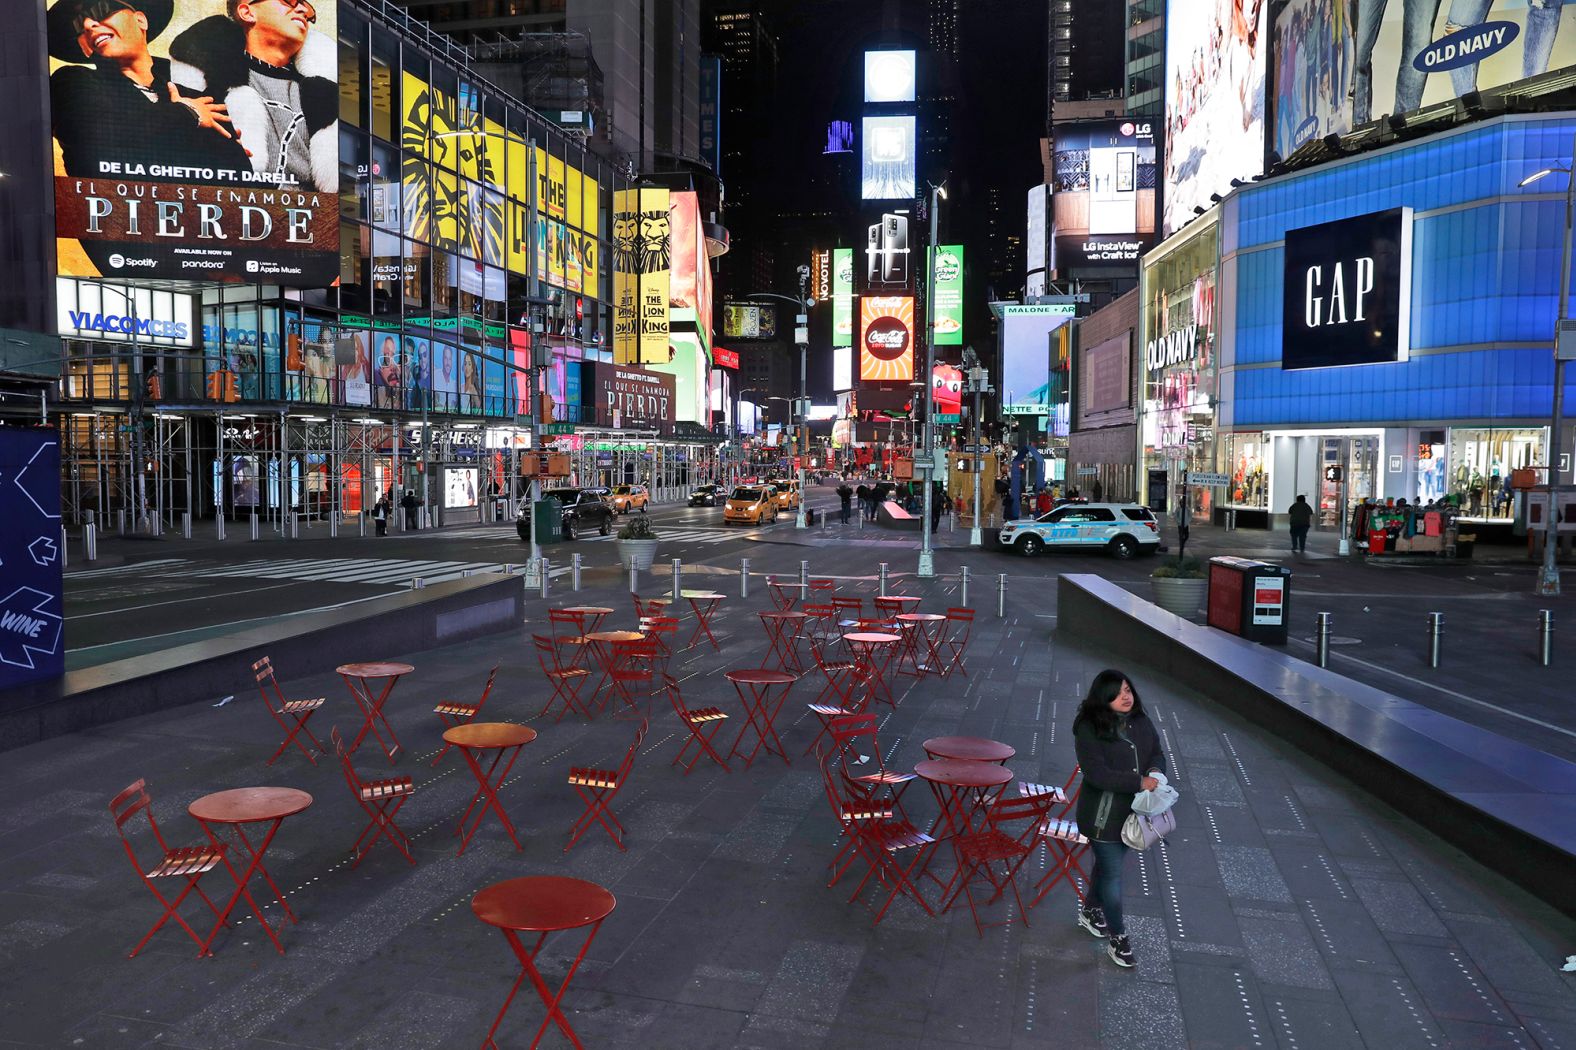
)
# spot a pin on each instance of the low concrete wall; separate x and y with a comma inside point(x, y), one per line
point(1510, 806)
point(303, 644)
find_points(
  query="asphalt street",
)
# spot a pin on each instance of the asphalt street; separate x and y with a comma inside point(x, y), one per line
point(150, 594)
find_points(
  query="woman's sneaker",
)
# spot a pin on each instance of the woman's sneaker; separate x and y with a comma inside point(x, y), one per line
point(1093, 920)
point(1120, 952)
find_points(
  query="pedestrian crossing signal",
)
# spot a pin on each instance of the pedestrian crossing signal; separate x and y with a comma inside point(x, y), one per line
point(221, 386)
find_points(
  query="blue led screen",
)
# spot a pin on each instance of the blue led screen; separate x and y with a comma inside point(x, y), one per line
point(1484, 281)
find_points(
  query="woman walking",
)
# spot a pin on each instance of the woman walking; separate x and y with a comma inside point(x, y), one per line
point(1114, 739)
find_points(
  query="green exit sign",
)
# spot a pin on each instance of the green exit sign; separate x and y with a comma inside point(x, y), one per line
point(559, 428)
point(948, 419)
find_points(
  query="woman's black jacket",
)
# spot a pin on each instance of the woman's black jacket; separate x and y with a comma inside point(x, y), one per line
point(1113, 772)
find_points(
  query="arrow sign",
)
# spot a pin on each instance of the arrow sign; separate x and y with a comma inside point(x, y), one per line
point(44, 551)
point(44, 481)
point(26, 627)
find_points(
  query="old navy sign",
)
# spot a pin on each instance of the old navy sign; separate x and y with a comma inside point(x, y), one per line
point(1466, 47)
point(1178, 346)
point(1347, 294)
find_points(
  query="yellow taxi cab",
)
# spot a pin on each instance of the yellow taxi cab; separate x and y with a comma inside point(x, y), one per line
point(751, 504)
point(626, 498)
point(787, 495)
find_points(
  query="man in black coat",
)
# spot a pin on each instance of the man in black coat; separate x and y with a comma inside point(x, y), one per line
point(409, 505)
point(123, 109)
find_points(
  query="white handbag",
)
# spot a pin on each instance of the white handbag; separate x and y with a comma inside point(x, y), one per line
point(1151, 818)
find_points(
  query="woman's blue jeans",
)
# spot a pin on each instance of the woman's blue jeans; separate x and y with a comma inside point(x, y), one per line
point(1105, 883)
point(1543, 25)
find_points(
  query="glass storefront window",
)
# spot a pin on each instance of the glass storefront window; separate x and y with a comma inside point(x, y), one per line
point(1478, 471)
point(1250, 484)
point(445, 283)
point(352, 72)
point(353, 244)
point(354, 174)
point(388, 273)
point(385, 59)
point(417, 281)
point(385, 208)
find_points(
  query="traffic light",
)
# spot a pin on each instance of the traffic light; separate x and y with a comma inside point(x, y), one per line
point(221, 385)
point(544, 414)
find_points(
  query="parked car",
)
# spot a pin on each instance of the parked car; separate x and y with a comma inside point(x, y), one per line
point(751, 504)
point(583, 510)
point(1124, 530)
point(706, 495)
point(630, 497)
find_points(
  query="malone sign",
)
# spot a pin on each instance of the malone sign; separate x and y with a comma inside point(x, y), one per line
point(1348, 292)
point(633, 397)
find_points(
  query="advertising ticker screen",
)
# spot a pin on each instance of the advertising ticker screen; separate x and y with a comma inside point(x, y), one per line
point(1104, 199)
point(886, 170)
point(1215, 61)
point(196, 139)
point(1411, 55)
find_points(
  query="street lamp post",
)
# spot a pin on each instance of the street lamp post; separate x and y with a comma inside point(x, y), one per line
point(927, 566)
point(1549, 576)
point(802, 338)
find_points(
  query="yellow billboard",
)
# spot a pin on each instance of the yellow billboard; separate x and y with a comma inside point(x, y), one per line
point(655, 270)
point(626, 277)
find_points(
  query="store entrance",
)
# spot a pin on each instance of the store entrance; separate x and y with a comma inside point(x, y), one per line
point(1356, 460)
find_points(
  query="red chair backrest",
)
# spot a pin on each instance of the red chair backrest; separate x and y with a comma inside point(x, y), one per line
point(629, 756)
point(826, 587)
point(263, 670)
point(547, 653)
point(133, 799)
point(569, 619)
point(675, 695)
point(351, 776)
point(854, 605)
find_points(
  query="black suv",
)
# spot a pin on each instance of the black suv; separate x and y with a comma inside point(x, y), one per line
point(705, 496)
point(583, 510)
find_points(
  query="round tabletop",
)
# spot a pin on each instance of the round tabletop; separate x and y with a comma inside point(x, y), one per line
point(613, 636)
point(920, 617)
point(872, 638)
point(489, 734)
point(761, 676)
point(375, 669)
point(969, 748)
point(597, 610)
point(956, 773)
point(700, 595)
point(906, 599)
point(245, 805)
point(785, 614)
point(542, 903)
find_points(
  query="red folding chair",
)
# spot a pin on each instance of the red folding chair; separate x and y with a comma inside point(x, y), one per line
point(955, 643)
point(822, 622)
point(821, 590)
point(381, 799)
point(840, 696)
point(187, 862)
point(636, 665)
point(1066, 848)
point(292, 715)
point(565, 679)
point(1009, 837)
point(848, 611)
point(596, 788)
point(662, 629)
point(458, 712)
point(880, 839)
point(568, 627)
point(696, 720)
point(784, 595)
point(645, 610)
point(854, 737)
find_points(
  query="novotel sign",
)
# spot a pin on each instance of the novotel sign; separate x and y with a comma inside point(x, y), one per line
point(1347, 292)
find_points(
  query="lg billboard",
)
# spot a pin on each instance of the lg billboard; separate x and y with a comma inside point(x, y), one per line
point(196, 139)
point(1335, 72)
point(1104, 197)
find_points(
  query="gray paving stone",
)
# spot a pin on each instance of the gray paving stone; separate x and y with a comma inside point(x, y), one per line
point(1451, 985)
point(1283, 953)
point(1397, 907)
point(1139, 1013)
point(1249, 872)
point(1388, 1011)
point(1222, 1006)
point(1304, 1021)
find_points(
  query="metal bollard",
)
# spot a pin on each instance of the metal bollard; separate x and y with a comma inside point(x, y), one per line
point(545, 574)
point(155, 526)
point(1545, 636)
point(417, 583)
point(89, 517)
point(1321, 640)
point(861, 519)
point(881, 580)
point(744, 577)
point(1001, 596)
point(186, 524)
point(574, 571)
point(634, 579)
point(678, 572)
point(804, 579)
point(120, 520)
point(254, 526)
point(963, 586)
point(333, 524)
point(295, 525)
point(90, 542)
point(64, 549)
point(218, 525)
point(1436, 624)
point(508, 568)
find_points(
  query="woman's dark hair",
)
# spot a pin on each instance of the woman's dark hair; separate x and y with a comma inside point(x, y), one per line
point(1096, 707)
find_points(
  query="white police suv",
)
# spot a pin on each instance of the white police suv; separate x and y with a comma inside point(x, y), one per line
point(1125, 530)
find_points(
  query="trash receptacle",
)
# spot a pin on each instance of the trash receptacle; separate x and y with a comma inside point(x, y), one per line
point(1249, 598)
point(549, 514)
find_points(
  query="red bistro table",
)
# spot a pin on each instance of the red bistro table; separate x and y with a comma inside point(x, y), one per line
point(780, 592)
point(873, 652)
point(705, 605)
point(543, 905)
point(923, 630)
point(590, 616)
point(504, 739)
point(357, 677)
point(235, 809)
point(963, 789)
point(601, 645)
point(755, 687)
point(969, 749)
point(783, 630)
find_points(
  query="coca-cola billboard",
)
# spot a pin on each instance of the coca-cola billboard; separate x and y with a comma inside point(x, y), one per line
point(886, 334)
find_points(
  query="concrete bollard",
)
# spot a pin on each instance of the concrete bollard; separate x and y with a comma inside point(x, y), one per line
point(678, 572)
point(186, 524)
point(1321, 640)
point(1436, 627)
point(963, 586)
point(90, 542)
point(881, 580)
point(1001, 596)
point(1545, 636)
point(574, 571)
point(744, 577)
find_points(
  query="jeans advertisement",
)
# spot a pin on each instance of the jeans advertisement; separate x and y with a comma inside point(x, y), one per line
point(1343, 63)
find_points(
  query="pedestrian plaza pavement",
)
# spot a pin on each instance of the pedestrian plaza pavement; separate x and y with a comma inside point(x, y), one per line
point(1289, 909)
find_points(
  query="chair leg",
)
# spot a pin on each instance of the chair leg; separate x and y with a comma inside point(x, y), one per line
point(171, 911)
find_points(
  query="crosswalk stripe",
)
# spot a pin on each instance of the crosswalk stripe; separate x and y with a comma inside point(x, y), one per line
point(124, 570)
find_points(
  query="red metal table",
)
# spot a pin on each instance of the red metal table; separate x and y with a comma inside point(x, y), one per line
point(588, 620)
point(969, 749)
point(705, 605)
point(601, 645)
point(783, 630)
point(780, 592)
point(504, 739)
point(923, 630)
point(873, 651)
point(543, 905)
point(235, 809)
point(357, 678)
point(964, 790)
point(755, 686)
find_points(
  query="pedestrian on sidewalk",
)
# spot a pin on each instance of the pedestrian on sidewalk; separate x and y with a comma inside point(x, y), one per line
point(380, 516)
point(938, 505)
point(863, 493)
point(409, 504)
point(1099, 491)
point(1300, 514)
point(1114, 739)
point(846, 495)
